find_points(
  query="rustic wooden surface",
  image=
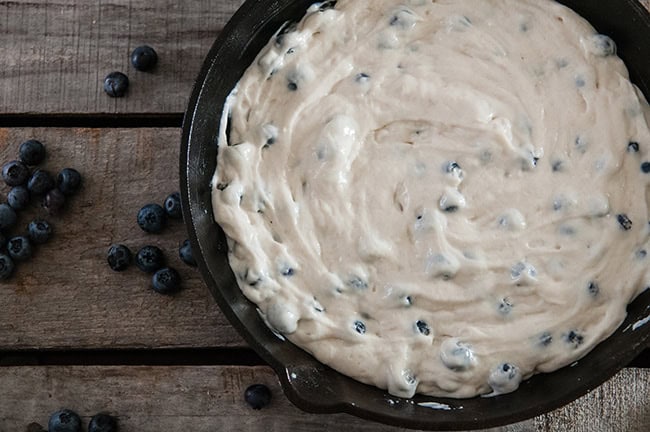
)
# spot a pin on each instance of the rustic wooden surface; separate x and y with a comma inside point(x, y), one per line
point(54, 54)
point(67, 296)
point(53, 57)
point(209, 398)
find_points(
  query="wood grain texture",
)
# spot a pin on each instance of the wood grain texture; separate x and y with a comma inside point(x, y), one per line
point(210, 399)
point(54, 54)
point(67, 296)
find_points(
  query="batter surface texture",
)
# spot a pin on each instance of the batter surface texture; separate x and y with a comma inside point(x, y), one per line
point(442, 197)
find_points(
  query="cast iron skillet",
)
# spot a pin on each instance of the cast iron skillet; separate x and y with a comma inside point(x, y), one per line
point(307, 383)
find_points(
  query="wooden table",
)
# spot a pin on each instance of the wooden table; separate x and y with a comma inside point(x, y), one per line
point(75, 334)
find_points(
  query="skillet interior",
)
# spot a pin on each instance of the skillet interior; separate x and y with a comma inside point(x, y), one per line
point(307, 383)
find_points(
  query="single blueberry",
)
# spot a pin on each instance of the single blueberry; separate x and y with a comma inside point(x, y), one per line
point(6, 267)
point(557, 166)
point(288, 271)
point(34, 427)
point(18, 197)
point(119, 257)
point(633, 147)
point(423, 327)
point(292, 86)
point(545, 339)
point(593, 289)
point(39, 231)
point(31, 152)
point(68, 181)
point(624, 221)
point(15, 173)
point(173, 206)
point(40, 182)
point(185, 252)
point(505, 307)
point(357, 283)
point(116, 84)
point(257, 396)
point(152, 218)
point(604, 45)
point(8, 217)
point(362, 77)
point(144, 58)
point(102, 422)
point(19, 248)
point(64, 420)
point(359, 327)
point(645, 167)
point(54, 201)
point(574, 338)
point(150, 259)
point(642, 253)
point(166, 281)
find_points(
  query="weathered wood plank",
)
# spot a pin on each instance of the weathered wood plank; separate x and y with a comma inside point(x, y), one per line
point(54, 54)
point(211, 398)
point(67, 297)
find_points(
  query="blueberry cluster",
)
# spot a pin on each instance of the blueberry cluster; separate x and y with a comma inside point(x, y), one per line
point(66, 420)
point(153, 218)
point(27, 182)
point(143, 58)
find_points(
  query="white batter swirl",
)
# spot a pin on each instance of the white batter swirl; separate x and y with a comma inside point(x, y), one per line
point(442, 197)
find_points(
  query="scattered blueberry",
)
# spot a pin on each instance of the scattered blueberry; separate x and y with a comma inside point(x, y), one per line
point(39, 231)
point(116, 84)
point(505, 307)
point(292, 86)
point(7, 217)
point(185, 252)
point(40, 182)
point(18, 197)
point(545, 339)
point(328, 4)
point(54, 201)
point(642, 253)
point(173, 206)
point(31, 152)
point(19, 248)
point(257, 396)
point(633, 147)
point(624, 221)
point(150, 259)
point(593, 289)
point(166, 281)
point(288, 272)
point(645, 167)
point(152, 218)
point(359, 327)
point(119, 257)
point(102, 423)
point(15, 173)
point(6, 267)
point(64, 421)
point(362, 77)
point(68, 181)
point(423, 327)
point(357, 283)
point(557, 166)
point(144, 58)
point(604, 45)
point(574, 338)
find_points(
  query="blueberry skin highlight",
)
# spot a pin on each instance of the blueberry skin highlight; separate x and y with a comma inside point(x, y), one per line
point(64, 420)
point(150, 259)
point(257, 396)
point(119, 257)
point(173, 206)
point(68, 181)
point(116, 84)
point(144, 58)
point(31, 152)
point(15, 173)
point(102, 423)
point(41, 182)
point(18, 197)
point(152, 218)
point(40, 231)
point(19, 248)
point(185, 253)
point(166, 281)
